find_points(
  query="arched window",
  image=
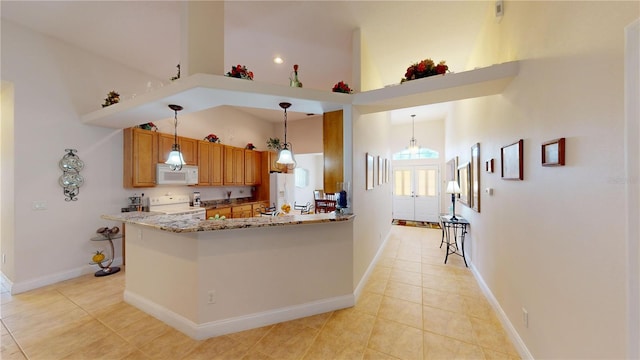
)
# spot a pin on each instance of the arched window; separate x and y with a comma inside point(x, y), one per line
point(422, 153)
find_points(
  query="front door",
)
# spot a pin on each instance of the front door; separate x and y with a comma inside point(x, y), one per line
point(416, 193)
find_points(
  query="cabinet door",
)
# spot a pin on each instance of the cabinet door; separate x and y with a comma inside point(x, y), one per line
point(189, 149)
point(216, 163)
point(241, 211)
point(233, 173)
point(165, 143)
point(204, 163)
point(228, 173)
point(140, 153)
point(252, 167)
point(273, 165)
point(238, 166)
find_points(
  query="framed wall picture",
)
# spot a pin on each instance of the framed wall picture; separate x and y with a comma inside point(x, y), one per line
point(370, 171)
point(475, 177)
point(386, 170)
point(464, 181)
point(511, 161)
point(553, 153)
point(488, 166)
point(380, 170)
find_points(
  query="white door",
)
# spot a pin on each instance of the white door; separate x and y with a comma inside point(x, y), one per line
point(416, 193)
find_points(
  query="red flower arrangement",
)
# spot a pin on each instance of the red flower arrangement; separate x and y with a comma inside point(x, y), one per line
point(148, 126)
point(212, 138)
point(342, 87)
point(423, 69)
point(240, 72)
point(250, 146)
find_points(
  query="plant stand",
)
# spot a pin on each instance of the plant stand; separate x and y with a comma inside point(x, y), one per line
point(105, 265)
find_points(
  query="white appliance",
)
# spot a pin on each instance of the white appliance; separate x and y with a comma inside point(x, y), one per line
point(188, 175)
point(282, 189)
point(176, 205)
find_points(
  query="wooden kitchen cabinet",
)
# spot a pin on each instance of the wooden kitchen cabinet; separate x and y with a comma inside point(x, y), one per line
point(210, 163)
point(233, 173)
point(252, 167)
point(242, 211)
point(140, 150)
point(188, 147)
point(221, 211)
point(269, 159)
point(259, 207)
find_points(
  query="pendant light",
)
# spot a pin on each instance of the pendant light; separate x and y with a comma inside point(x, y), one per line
point(286, 155)
point(413, 143)
point(175, 159)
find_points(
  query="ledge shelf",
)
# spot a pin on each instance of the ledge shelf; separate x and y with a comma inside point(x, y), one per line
point(203, 91)
point(437, 89)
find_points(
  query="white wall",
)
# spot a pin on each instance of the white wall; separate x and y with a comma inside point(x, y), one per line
point(51, 80)
point(632, 130)
point(55, 84)
point(555, 242)
point(372, 207)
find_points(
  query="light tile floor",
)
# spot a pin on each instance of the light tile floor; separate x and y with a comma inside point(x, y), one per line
point(413, 307)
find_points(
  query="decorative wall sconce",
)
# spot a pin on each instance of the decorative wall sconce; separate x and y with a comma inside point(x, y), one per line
point(71, 180)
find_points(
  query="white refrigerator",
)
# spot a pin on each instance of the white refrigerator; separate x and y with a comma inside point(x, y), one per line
point(282, 189)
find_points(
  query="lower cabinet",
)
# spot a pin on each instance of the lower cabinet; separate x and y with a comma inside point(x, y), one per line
point(223, 211)
point(242, 211)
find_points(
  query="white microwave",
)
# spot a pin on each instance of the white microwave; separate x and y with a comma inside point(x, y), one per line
point(188, 175)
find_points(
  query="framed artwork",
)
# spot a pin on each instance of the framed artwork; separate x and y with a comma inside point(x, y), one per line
point(553, 153)
point(380, 170)
point(370, 172)
point(511, 161)
point(488, 165)
point(475, 177)
point(464, 172)
point(386, 170)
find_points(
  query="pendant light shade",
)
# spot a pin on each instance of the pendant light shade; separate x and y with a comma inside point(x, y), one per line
point(413, 148)
point(175, 159)
point(286, 155)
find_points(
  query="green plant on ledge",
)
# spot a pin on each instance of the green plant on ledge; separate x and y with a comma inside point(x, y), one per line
point(273, 144)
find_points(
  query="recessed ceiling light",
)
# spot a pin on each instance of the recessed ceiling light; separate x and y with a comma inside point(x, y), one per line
point(278, 60)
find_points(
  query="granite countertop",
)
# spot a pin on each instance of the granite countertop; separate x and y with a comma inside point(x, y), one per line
point(186, 223)
point(216, 204)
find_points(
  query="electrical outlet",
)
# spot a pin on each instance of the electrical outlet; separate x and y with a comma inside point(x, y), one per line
point(525, 317)
point(4, 258)
point(211, 298)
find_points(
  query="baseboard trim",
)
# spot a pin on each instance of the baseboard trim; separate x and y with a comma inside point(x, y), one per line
point(22, 286)
point(240, 323)
point(363, 281)
point(511, 330)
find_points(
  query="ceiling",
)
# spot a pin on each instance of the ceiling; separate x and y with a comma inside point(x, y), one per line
point(317, 35)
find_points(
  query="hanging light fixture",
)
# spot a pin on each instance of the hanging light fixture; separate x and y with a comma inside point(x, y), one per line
point(286, 155)
point(413, 143)
point(175, 159)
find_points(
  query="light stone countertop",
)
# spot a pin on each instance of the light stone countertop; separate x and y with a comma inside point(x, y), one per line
point(185, 223)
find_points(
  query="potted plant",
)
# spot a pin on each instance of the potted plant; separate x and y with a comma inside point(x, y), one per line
point(273, 144)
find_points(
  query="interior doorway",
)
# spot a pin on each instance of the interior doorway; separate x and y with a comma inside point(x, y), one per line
point(416, 193)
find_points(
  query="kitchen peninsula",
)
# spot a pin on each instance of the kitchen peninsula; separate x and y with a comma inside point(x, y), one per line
point(211, 277)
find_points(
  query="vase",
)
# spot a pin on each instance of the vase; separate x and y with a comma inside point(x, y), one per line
point(293, 80)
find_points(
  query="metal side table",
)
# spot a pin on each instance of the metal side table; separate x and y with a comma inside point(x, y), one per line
point(454, 230)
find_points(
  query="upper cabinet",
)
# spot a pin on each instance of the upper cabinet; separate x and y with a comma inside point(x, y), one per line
point(203, 91)
point(140, 157)
point(210, 163)
point(252, 167)
point(233, 166)
point(188, 147)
